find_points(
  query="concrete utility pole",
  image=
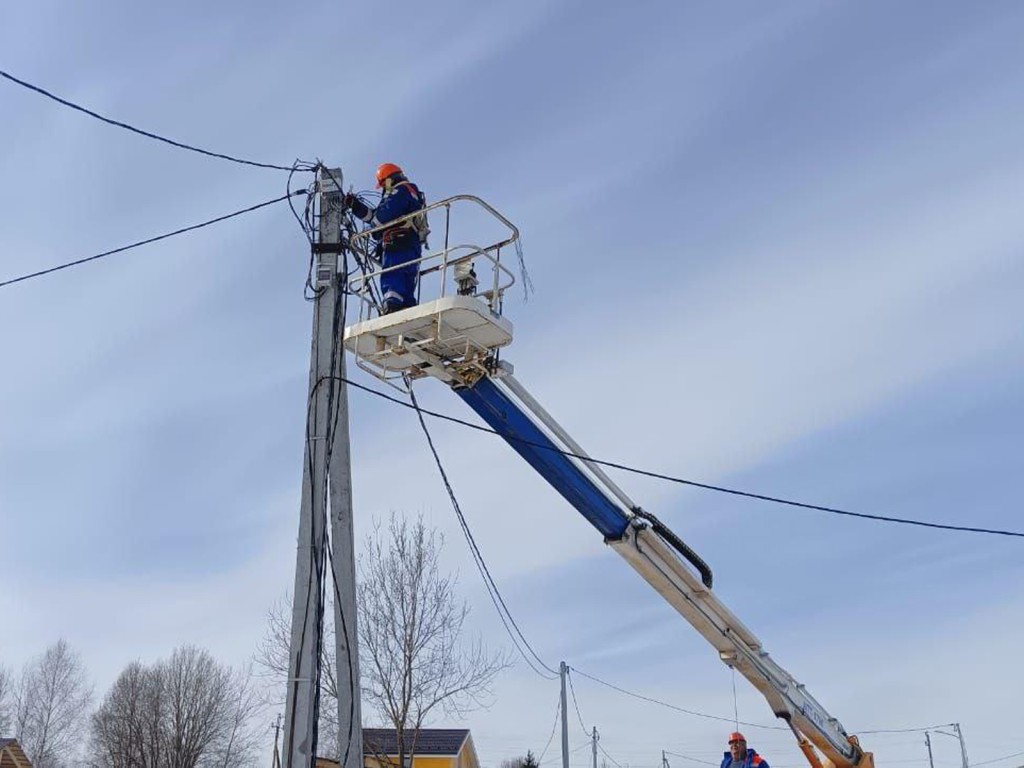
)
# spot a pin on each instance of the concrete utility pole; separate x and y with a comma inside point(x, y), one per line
point(928, 743)
point(963, 747)
point(563, 670)
point(326, 417)
point(593, 745)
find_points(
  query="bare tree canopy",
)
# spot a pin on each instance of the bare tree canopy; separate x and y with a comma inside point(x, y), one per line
point(413, 657)
point(6, 693)
point(186, 712)
point(51, 703)
point(271, 661)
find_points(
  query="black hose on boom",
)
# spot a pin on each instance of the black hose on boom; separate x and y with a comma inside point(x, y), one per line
point(678, 544)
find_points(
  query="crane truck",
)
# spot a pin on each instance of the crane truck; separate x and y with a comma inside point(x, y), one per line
point(457, 338)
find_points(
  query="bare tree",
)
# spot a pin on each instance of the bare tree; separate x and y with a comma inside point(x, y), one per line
point(6, 688)
point(51, 706)
point(410, 632)
point(271, 661)
point(123, 726)
point(410, 627)
point(186, 712)
point(238, 742)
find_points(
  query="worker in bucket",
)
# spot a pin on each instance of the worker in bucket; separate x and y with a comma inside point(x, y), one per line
point(740, 756)
point(402, 244)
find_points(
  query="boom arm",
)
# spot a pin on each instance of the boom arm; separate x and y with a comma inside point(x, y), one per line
point(655, 553)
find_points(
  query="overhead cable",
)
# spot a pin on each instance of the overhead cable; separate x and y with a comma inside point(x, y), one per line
point(694, 483)
point(554, 727)
point(576, 703)
point(147, 134)
point(147, 241)
point(687, 757)
point(673, 706)
point(536, 663)
point(605, 753)
point(997, 759)
point(910, 730)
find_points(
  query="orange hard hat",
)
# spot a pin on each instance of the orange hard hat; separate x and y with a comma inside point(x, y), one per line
point(384, 171)
point(736, 736)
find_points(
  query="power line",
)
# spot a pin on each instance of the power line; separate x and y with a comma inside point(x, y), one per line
point(673, 706)
point(693, 483)
point(492, 588)
point(910, 730)
point(147, 241)
point(605, 753)
point(998, 759)
point(576, 703)
point(687, 757)
point(554, 727)
point(147, 134)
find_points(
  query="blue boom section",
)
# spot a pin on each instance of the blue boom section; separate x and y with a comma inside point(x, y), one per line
point(509, 421)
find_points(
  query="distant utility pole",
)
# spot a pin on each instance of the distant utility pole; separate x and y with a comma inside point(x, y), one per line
point(326, 456)
point(928, 743)
point(563, 670)
point(593, 745)
point(275, 761)
point(963, 747)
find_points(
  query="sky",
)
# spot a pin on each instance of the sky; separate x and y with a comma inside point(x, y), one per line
point(775, 247)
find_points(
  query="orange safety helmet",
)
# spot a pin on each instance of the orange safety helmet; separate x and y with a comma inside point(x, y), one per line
point(737, 736)
point(384, 171)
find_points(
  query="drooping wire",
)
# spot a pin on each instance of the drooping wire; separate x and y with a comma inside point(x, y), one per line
point(147, 241)
point(575, 702)
point(694, 483)
point(554, 727)
point(665, 704)
point(139, 131)
point(337, 359)
point(605, 753)
point(535, 662)
point(997, 759)
point(687, 757)
point(909, 730)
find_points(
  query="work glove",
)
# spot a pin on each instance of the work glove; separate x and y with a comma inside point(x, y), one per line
point(357, 206)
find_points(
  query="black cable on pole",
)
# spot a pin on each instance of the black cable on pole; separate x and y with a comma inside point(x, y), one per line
point(674, 707)
point(147, 134)
point(147, 241)
point(695, 484)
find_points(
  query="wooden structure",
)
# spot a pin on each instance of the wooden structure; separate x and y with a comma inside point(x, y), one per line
point(11, 755)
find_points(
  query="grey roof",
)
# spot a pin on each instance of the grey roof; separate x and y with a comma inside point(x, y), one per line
point(431, 741)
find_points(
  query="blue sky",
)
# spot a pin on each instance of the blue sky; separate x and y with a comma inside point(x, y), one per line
point(775, 246)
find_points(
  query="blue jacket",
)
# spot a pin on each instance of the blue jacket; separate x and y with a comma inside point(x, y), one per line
point(753, 760)
point(404, 198)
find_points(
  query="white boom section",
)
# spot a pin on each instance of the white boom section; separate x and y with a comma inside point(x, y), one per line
point(661, 567)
